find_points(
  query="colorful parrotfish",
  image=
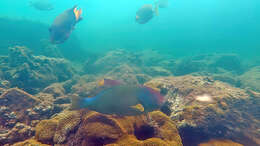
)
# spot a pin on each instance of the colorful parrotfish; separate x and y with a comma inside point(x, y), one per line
point(121, 99)
point(64, 24)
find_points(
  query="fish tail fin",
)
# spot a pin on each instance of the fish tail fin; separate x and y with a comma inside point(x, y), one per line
point(76, 102)
point(77, 12)
point(156, 7)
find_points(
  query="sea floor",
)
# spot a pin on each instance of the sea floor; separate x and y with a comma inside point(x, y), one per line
point(212, 99)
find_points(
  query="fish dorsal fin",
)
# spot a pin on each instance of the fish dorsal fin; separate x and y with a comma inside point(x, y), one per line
point(138, 107)
point(109, 82)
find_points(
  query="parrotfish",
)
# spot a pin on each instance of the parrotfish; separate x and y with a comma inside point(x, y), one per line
point(42, 5)
point(145, 13)
point(64, 24)
point(122, 99)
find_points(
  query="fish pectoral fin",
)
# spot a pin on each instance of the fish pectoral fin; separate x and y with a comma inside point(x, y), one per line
point(138, 107)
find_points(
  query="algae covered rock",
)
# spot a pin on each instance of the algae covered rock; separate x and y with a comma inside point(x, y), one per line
point(111, 60)
point(251, 79)
point(88, 128)
point(32, 73)
point(204, 108)
point(57, 129)
point(208, 63)
point(20, 112)
point(30, 142)
point(215, 142)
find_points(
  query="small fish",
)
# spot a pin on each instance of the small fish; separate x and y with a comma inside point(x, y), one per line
point(163, 3)
point(145, 14)
point(122, 100)
point(42, 5)
point(64, 24)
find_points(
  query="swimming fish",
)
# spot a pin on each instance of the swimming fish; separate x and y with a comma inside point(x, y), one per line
point(42, 5)
point(122, 100)
point(144, 14)
point(163, 3)
point(64, 24)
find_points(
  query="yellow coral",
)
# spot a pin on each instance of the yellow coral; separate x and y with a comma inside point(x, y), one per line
point(30, 142)
point(67, 122)
point(45, 130)
point(214, 142)
point(56, 129)
point(100, 129)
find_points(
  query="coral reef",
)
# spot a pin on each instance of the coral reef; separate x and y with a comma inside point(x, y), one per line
point(214, 142)
point(123, 61)
point(111, 60)
point(157, 71)
point(58, 128)
point(20, 112)
point(209, 63)
point(251, 79)
point(30, 142)
point(33, 73)
point(18, 133)
point(90, 128)
point(204, 108)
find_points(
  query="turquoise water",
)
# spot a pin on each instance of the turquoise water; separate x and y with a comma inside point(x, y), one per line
point(216, 39)
point(184, 28)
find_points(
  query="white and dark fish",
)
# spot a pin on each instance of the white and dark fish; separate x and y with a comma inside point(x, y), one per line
point(42, 5)
point(64, 24)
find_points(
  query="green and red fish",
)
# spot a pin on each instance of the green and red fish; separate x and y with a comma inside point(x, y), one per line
point(64, 24)
point(121, 99)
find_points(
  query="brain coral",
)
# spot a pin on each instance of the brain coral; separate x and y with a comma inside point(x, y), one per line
point(56, 129)
point(90, 128)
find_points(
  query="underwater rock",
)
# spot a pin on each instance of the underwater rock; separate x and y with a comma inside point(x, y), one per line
point(251, 79)
point(57, 129)
point(18, 101)
point(29, 142)
point(55, 89)
point(20, 112)
point(230, 62)
point(111, 60)
point(227, 77)
point(33, 73)
point(86, 87)
point(214, 142)
point(204, 108)
point(90, 128)
point(157, 71)
point(187, 66)
point(18, 133)
point(4, 84)
point(209, 63)
point(124, 73)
